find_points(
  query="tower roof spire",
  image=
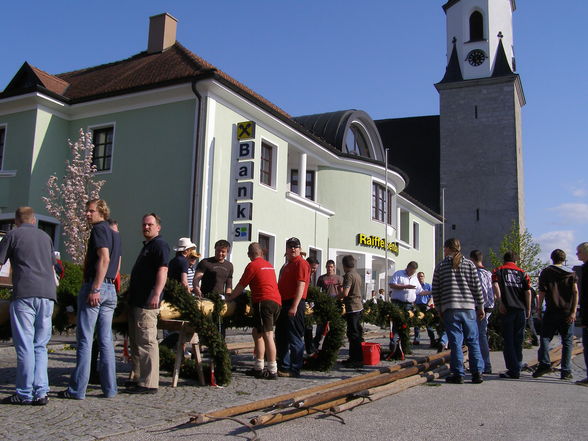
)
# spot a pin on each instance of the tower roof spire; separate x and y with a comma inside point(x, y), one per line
point(453, 70)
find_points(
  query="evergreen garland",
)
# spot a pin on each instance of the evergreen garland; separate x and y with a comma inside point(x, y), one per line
point(326, 309)
point(207, 328)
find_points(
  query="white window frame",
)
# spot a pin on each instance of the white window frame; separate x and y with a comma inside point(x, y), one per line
point(274, 164)
point(105, 126)
point(271, 252)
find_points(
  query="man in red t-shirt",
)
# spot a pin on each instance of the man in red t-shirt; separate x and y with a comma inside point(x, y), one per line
point(261, 277)
point(293, 286)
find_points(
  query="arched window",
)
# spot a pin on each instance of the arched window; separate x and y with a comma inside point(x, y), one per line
point(355, 142)
point(476, 26)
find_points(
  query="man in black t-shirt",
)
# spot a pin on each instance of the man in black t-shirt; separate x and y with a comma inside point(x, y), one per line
point(148, 279)
point(96, 305)
point(215, 274)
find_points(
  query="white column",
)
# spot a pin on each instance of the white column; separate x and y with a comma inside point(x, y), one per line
point(302, 176)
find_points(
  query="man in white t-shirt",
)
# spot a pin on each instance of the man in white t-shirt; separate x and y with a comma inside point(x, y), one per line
point(404, 288)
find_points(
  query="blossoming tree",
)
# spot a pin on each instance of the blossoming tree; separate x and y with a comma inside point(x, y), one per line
point(66, 200)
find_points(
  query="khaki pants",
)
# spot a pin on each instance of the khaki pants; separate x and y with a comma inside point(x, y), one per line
point(144, 346)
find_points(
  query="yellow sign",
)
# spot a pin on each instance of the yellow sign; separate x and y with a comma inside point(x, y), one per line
point(245, 130)
point(377, 242)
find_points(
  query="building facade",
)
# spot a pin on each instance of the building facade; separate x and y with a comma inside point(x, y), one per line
point(176, 136)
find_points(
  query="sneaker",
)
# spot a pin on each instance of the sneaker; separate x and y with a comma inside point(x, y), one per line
point(257, 373)
point(583, 382)
point(566, 376)
point(542, 369)
point(41, 401)
point(477, 378)
point(16, 399)
point(66, 394)
point(454, 379)
point(267, 375)
point(509, 375)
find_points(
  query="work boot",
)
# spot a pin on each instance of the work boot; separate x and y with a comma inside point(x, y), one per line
point(477, 378)
point(454, 379)
point(541, 370)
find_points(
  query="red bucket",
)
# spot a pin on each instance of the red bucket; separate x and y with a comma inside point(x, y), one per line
point(371, 353)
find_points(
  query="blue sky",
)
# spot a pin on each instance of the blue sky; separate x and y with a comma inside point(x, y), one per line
point(380, 56)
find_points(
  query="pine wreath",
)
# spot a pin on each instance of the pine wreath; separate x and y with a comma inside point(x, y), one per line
point(326, 309)
point(207, 326)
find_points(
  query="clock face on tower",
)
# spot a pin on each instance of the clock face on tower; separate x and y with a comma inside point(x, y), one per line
point(476, 57)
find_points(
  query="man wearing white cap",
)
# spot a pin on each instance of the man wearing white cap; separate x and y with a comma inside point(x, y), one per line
point(178, 266)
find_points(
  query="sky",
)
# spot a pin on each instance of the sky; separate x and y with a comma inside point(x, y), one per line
point(380, 56)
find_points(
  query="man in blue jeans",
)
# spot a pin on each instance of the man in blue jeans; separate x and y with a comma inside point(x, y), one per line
point(96, 305)
point(512, 291)
point(558, 287)
point(31, 257)
point(458, 298)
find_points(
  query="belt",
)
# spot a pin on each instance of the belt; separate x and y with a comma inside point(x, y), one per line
point(106, 280)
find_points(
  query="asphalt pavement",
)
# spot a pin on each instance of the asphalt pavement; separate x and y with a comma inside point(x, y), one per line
point(526, 409)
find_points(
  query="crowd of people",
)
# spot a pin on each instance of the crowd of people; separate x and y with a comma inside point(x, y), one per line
point(463, 292)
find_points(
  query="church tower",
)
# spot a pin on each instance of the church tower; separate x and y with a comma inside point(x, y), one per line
point(481, 96)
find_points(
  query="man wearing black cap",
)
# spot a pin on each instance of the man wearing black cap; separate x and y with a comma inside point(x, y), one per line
point(293, 286)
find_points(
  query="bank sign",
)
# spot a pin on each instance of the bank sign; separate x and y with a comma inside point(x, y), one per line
point(243, 209)
point(376, 242)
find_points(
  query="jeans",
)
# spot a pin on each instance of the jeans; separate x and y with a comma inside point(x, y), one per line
point(460, 325)
point(552, 324)
point(585, 344)
point(31, 331)
point(483, 338)
point(513, 333)
point(354, 335)
point(290, 338)
point(90, 319)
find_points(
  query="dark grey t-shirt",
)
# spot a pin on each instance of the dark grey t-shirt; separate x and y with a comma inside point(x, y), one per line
point(31, 257)
point(217, 276)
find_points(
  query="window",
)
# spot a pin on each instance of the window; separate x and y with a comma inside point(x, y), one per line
point(355, 143)
point(476, 26)
point(404, 226)
point(267, 170)
point(379, 202)
point(2, 133)
point(310, 183)
point(415, 236)
point(267, 245)
point(102, 154)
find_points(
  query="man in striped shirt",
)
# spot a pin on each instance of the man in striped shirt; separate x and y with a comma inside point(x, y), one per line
point(458, 298)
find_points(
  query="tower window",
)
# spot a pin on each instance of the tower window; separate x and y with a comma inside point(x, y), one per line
point(476, 26)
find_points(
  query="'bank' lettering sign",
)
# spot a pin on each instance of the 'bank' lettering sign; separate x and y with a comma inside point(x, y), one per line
point(376, 242)
point(243, 211)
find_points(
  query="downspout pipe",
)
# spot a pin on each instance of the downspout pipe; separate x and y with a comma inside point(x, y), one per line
point(196, 197)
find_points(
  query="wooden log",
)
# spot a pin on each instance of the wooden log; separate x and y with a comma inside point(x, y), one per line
point(393, 388)
point(279, 417)
point(202, 418)
point(367, 383)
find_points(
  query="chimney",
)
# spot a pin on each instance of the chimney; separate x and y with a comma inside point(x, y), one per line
point(162, 32)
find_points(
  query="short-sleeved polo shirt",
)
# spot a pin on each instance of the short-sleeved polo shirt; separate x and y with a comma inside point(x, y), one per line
point(153, 255)
point(297, 270)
